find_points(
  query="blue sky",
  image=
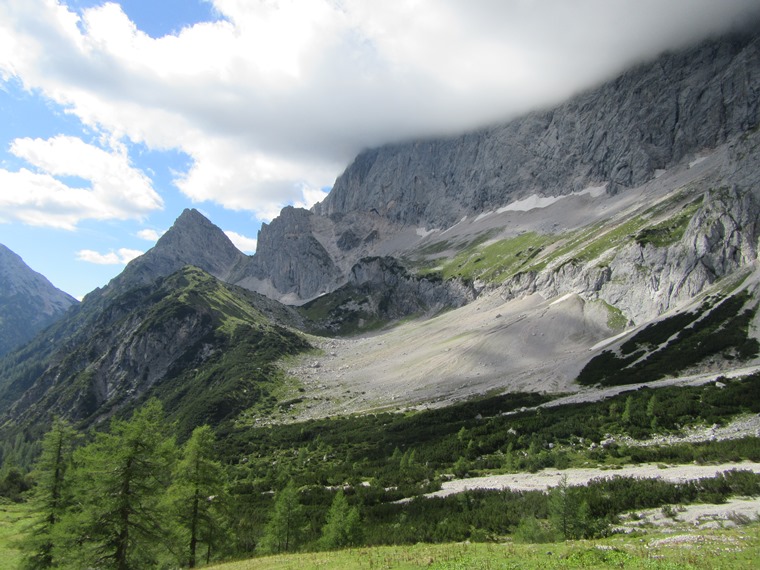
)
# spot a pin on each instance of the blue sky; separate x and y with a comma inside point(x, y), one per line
point(115, 116)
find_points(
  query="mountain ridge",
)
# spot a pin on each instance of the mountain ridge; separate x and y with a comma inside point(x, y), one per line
point(28, 301)
point(617, 136)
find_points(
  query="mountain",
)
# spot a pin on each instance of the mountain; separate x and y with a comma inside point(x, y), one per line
point(192, 240)
point(205, 348)
point(615, 236)
point(622, 135)
point(28, 301)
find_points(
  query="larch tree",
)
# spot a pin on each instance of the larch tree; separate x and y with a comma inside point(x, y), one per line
point(197, 491)
point(121, 521)
point(51, 496)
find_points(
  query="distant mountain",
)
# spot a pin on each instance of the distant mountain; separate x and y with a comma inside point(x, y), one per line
point(512, 256)
point(28, 301)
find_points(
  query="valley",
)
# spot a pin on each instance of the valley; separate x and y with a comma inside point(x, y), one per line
point(544, 331)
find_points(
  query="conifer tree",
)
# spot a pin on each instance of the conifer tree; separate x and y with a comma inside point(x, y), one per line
point(285, 527)
point(121, 522)
point(196, 493)
point(342, 527)
point(51, 497)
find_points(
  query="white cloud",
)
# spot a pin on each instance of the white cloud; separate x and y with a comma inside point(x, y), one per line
point(243, 243)
point(120, 257)
point(274, 99)
point(42, 197)
point(149, 234)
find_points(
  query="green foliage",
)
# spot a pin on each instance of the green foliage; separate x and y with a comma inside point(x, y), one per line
point(52, 494)
point(670, 230)
point(719, 327)
point(284, 531)
point(119, 520)
point(343, 525)
point(197, 494)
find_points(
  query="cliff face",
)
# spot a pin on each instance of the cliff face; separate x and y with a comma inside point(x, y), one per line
point(619, 136)
point(28, 301)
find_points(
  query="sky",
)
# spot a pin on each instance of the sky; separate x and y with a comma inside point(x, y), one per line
point(115, 116)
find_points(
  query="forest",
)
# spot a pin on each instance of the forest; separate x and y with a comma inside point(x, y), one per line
point(138, 494)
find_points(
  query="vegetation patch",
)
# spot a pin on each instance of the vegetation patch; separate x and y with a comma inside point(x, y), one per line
point(720, 327)
point(671, 230)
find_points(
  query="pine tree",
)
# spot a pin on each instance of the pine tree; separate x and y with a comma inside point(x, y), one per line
point(285, 527)
point(343, 525)
point(51, 496)
point(120, 478)
point(196, 493)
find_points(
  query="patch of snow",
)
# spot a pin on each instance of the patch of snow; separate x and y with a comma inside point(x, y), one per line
point(530, 203)
point(484, 215)
point(696, 161)
point(455, 225)
point(424, 232)
point(593, 191)
point(535, 201)
point(609, 340)
point(562, 298)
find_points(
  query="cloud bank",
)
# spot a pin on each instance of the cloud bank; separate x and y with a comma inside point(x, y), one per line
point(274, 99)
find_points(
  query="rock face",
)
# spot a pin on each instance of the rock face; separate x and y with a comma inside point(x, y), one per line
point(291, 260)
point(619, 135)
point(644, 280)
point(28, 301)
point(192, 240)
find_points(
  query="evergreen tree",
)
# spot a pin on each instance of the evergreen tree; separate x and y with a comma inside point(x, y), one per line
point(343, 525)
point(196, 493)
point(121, 522)
point(51, 497)
point(285, 527)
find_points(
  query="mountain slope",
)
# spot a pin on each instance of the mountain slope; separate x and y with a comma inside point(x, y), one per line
point(656, 117)
point(28, 301)
point(204, 348)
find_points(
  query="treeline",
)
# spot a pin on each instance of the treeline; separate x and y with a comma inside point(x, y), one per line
point(131, 498)
point(135, 497)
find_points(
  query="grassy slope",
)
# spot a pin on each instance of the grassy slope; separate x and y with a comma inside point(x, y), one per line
point(494, 261)
point(14, 518)
point(715, 549)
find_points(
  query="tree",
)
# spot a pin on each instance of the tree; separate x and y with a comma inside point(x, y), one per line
point(343, 525)
point(196, 493)
point(51, 496)
point(121, 522)
point(285, 527)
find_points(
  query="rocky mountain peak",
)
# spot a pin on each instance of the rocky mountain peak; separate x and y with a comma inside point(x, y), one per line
point(28, 301)
point(192, 240)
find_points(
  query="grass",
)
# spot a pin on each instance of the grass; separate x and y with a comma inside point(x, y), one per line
point(484, 259)
point(732, 549)
point(14, 518)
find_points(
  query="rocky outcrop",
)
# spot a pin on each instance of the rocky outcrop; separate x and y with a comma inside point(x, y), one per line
point(643, 280)
point(620, 134)
point(28, 301)
point(290, 264)
point(379, 291)
point(397, 293)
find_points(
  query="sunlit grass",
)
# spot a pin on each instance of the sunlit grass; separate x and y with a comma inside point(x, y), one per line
point(14, 521)
point(732, 549)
